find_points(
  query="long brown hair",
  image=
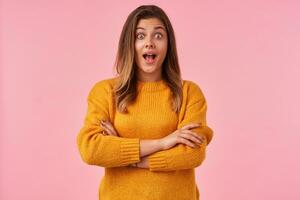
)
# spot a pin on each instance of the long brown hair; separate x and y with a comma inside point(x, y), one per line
point(126, 84)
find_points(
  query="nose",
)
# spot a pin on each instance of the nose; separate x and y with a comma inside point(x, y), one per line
point(149, 43)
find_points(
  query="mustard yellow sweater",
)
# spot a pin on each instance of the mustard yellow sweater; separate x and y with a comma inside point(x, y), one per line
point(171, 174)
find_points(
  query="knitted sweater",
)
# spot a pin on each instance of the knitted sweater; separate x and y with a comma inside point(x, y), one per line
point(171, 174)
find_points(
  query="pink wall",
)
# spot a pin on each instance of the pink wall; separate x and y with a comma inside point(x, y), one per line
point(245, 55)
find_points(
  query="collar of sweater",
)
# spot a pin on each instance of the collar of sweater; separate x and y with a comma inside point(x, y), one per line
point(151, 86)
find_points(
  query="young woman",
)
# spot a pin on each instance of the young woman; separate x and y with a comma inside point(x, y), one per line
point(146, 126)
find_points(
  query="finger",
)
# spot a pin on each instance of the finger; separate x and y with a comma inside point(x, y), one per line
point(104, 132)
point(186, 142)
point(107, 130)
point(110, 127)
point(105, 125)
point(192, 125)
point(194, 134)
point(190, 137)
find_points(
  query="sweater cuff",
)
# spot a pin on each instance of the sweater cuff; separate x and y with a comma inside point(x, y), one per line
point(157, 162)
point(130, 151)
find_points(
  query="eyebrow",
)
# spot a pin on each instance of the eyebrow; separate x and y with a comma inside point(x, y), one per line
point(157, 27)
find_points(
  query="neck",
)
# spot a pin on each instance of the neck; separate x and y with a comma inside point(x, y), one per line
point(153, 77)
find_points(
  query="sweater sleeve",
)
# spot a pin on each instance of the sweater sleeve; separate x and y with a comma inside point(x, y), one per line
point(182, 156)
point(98, 149)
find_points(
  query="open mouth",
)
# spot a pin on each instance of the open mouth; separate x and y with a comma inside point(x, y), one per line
point(149, 56)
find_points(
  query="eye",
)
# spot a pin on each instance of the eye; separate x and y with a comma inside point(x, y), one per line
point(138, 36)
point(159, 35)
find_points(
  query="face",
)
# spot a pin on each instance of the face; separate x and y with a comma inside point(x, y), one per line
point(151, 44)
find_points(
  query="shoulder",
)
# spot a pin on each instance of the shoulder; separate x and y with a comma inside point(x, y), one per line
point(103, 86)
point(192, 89)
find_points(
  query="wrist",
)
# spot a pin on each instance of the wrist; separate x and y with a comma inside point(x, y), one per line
point(133, 165)
point(160, 143)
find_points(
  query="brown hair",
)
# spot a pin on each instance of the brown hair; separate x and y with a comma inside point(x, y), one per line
point(125, 87)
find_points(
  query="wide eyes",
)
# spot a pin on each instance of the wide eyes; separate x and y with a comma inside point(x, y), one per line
point(140, 36)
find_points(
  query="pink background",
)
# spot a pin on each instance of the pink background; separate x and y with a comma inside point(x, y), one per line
point(245, 55)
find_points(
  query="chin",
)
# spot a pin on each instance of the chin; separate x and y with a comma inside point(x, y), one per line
point(149, 69)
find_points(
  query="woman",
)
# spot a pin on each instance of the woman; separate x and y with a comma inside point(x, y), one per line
point(146, 126)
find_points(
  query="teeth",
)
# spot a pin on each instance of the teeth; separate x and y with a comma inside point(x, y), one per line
point(153, 55)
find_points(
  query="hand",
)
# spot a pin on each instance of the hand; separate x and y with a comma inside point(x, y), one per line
point(144, 163)
point(108, 128)
point(183, 136)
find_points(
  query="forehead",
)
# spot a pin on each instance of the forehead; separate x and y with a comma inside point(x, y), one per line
point(150, 24)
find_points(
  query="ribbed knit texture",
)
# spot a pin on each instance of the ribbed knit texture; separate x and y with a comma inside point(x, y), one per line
point(171, 174)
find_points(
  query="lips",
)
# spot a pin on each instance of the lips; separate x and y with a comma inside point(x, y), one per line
point(149, 58)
